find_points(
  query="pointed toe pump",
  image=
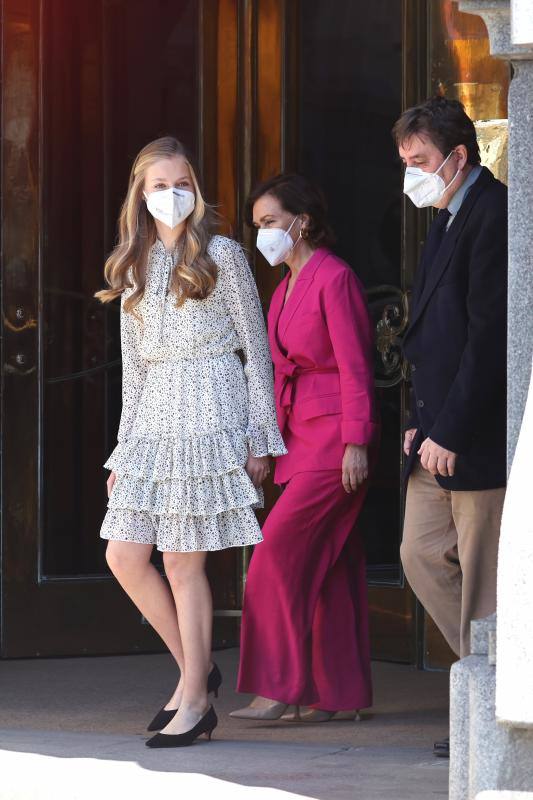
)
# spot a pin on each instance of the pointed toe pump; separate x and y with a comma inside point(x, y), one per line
point(165, 715)
point(272, 712)
point(320, 715)
point(206, 725)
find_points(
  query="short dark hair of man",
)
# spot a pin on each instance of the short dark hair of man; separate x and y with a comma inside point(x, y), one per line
point(297, 195)
point(445, 123)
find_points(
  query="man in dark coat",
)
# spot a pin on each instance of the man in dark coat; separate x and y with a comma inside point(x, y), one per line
point(455, 441)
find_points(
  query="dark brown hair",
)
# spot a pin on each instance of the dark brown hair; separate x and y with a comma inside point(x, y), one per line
point(298, 195)
point(445, 123)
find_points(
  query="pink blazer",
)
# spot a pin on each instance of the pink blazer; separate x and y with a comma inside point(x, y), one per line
point(321, 342)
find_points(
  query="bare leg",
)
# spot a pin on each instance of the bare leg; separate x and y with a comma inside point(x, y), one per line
point(192, 595)
point(130, 564)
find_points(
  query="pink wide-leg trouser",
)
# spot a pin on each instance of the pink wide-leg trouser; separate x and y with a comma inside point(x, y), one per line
point(304, 637)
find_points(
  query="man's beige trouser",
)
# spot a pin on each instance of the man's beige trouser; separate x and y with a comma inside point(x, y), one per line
point(449, 553)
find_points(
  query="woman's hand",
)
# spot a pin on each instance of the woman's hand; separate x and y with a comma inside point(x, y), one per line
point(111, 482)
point(257, 469)
point(354, 466)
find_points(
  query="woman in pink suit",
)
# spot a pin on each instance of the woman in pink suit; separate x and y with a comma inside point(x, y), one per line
point(304, 634)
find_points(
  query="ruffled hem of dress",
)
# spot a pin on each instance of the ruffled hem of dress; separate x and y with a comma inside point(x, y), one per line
point(205, 496)
point(176, 534)
point(265, 441)
point(172, 457)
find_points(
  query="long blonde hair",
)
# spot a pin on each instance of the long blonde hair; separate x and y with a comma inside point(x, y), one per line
point(195, 274)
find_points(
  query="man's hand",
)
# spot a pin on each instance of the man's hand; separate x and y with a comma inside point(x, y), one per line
point(354, 467)
point(437, 459)
point(408, 440)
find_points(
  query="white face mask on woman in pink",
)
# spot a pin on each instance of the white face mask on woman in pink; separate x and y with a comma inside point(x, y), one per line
point(276, 243)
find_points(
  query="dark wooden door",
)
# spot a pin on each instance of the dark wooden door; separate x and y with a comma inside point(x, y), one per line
point(252, 87)
point(85, 86)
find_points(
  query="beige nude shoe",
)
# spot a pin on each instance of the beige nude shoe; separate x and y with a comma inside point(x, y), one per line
point(274, 711)
point(292, 714)
point(321, 715)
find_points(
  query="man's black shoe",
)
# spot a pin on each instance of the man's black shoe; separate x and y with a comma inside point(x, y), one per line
point(442, 749)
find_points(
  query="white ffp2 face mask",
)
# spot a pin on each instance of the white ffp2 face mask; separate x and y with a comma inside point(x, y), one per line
point(170, 206)
point(426, 188)
point(276, 243)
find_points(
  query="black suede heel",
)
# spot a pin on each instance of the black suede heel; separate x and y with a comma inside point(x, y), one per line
point(164, 715)
point(206, 725)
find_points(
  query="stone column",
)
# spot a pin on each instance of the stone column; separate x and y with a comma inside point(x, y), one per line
point(520, 325)
point(514, 674)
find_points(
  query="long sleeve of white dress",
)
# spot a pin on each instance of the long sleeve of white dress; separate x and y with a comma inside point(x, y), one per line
point(134, 368)
point(242, 300)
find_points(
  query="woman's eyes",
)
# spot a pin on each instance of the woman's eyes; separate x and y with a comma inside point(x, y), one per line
point(265, 224)
point(162, 186)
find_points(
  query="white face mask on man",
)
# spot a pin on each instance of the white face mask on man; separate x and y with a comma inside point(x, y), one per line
point(170, 206)
point(275, 244)
point(426, 188)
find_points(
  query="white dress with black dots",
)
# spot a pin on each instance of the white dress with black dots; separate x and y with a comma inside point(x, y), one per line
point(191, 412)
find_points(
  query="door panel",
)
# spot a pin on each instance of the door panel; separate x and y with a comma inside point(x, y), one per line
point(71, 127)
point(128, 72)
point(20, 253)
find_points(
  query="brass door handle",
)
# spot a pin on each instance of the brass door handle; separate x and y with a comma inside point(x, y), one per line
point(389, 308)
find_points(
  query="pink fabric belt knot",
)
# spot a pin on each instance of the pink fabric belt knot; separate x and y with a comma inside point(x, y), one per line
point(289, 372)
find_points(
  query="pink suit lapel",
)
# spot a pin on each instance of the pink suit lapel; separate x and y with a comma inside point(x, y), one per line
point(279, 318)
point(301, 287)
